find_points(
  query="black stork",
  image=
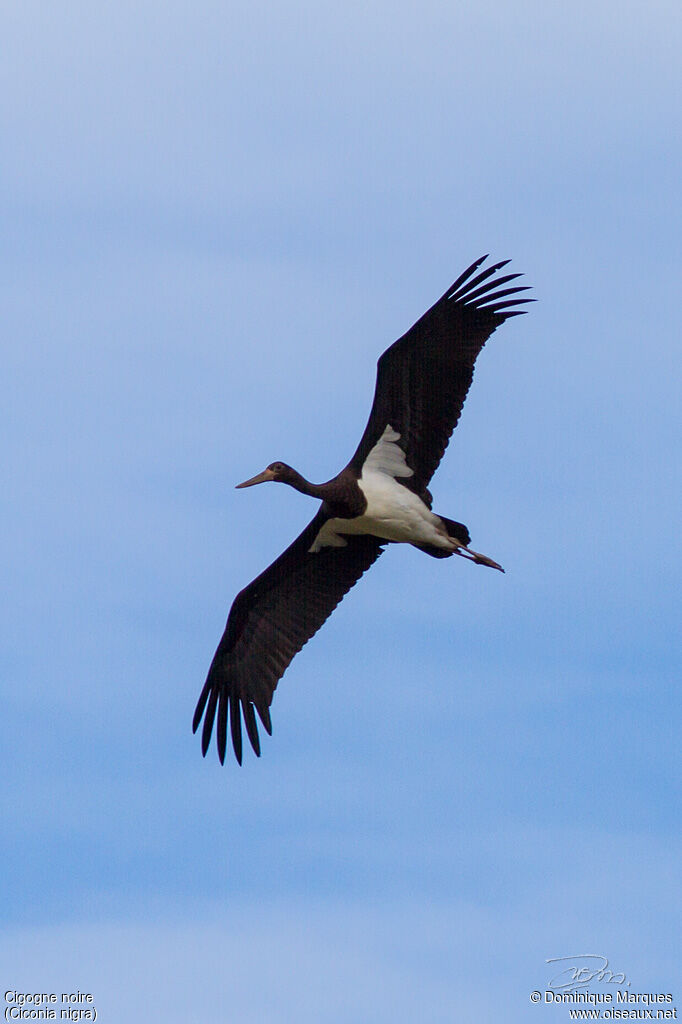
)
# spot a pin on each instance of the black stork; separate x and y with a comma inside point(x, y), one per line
point(380, 498)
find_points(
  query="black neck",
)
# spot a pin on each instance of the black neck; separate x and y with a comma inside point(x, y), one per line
point(300, 483)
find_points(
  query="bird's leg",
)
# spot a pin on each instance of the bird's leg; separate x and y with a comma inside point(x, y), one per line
point(476, 556)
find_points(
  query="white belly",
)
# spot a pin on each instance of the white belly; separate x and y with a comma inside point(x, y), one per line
point(392, 512)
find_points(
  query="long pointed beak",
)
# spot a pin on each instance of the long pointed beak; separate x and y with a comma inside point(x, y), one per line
point(261, 478)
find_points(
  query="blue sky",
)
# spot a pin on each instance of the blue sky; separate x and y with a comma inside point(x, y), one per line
point(214, 220)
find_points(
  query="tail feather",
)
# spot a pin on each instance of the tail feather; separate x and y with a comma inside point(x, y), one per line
point(457, 530)
point(431, 549)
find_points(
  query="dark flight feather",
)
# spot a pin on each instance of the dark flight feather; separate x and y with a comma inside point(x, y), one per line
point(424, 377)
point(269, 622)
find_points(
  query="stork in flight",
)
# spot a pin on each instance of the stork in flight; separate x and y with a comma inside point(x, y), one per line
point(381, 497)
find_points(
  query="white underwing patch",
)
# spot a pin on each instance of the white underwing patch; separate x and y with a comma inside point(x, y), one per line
point(387, 457)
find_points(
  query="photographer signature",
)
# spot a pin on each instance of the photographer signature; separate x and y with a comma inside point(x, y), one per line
point(580, 970)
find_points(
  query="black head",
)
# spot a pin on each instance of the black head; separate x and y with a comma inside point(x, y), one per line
point(277, 471)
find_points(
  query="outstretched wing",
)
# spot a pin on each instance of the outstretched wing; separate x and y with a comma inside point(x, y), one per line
point(269, 622)
point(424, 377)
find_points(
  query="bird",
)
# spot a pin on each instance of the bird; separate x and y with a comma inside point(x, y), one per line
point(381, 497)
